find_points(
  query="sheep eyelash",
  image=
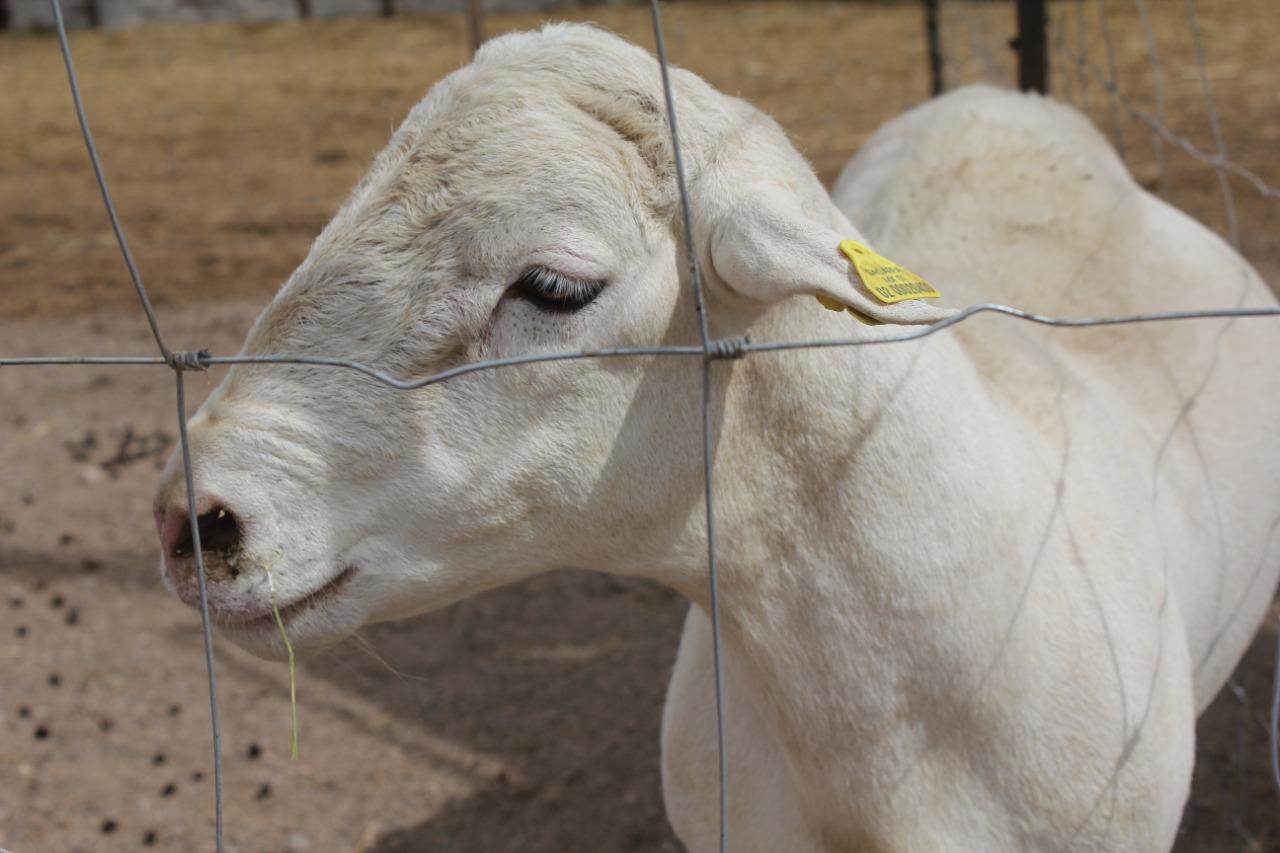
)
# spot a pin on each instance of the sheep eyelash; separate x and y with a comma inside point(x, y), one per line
point(554, 292)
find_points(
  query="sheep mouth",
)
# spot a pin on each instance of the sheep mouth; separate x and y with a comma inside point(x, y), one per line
point(249, 620)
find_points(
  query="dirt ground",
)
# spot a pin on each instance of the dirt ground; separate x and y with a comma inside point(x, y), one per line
point(525, 720)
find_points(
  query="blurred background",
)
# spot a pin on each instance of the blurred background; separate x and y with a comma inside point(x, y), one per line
point(525, 720)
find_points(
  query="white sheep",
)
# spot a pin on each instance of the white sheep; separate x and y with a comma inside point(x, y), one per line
point(975, 589)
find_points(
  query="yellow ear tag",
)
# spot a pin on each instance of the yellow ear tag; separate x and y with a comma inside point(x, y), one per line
point(836, 305)
point(887, 281)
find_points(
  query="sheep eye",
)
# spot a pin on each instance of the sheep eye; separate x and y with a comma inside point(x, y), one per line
point(555, 292)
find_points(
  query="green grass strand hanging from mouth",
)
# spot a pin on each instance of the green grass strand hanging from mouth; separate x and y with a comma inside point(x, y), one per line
point(288, 647)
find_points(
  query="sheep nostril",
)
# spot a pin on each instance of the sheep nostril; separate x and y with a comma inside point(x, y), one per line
point(219, 532)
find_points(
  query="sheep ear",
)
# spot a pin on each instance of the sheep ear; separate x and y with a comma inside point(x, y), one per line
point(770, 249)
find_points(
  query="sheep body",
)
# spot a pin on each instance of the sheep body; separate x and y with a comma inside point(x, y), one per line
point(1076, 545)
point(1189, 398)
point(974, 588)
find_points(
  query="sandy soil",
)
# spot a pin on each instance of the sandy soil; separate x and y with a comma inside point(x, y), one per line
point(498, 724)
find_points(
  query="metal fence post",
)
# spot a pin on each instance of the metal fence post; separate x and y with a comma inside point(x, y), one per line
point(475, 24)
point(1031, 43)
point(934, 41)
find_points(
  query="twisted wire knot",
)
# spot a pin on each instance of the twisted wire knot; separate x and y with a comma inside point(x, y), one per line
point(729, 349)
point(198, 360)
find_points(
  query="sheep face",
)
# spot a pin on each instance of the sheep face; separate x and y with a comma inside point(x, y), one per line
point(502, 220)
point(527, 204)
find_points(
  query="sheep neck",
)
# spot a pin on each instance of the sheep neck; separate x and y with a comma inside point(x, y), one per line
point(858, 575)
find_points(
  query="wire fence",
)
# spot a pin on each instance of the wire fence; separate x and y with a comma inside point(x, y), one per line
point(978, 45)
point(1085, 70)
point(975, 22)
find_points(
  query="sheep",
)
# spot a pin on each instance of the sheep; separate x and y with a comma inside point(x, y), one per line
point(974, 588)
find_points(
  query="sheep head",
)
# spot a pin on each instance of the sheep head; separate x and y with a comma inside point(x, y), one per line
point(528, 204)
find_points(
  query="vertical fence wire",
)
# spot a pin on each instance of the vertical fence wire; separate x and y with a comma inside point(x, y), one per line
point(1117, 130)
point(975, 18)
point(1215, 125)
point(1240, 818)
point(977, 61)
point(198, 551)
point(1222, 167)
point(700, 306)
point(1157, 86)
point(1082, 55)
point(179, 362)
point(1065, 87)
point(101, 177)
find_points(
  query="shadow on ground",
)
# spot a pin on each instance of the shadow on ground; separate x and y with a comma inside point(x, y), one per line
point(562, 678)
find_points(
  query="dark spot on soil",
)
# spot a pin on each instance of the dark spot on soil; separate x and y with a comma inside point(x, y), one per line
point(16, 602)
point(197, 776)
point(42, 733)
point(79, 450)
point(149, 838)
point(43, 219)
point(158, 758)
point(169, 790)
point(41, 585)
point(263, 792)
point(21, 630)
point(134, 447)
point(66, 539)
point(55, 679)
point(331, 155)
point(175, 710)
point(105, 724)
point(24, 712)
point(90, 565)
point(73, 616)
point(57, 601)
point(254, 751)
point(109, 826)
point(28, 499)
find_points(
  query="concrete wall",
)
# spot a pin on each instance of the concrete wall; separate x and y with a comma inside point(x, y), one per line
point(36, 14)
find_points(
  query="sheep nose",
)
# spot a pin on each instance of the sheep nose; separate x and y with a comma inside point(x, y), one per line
point(220, 534)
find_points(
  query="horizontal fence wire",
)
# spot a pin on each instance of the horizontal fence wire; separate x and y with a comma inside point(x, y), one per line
point(720, 348)
point(709, 350)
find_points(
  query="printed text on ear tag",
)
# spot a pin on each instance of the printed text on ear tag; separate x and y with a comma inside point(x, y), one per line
point(887, 281)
